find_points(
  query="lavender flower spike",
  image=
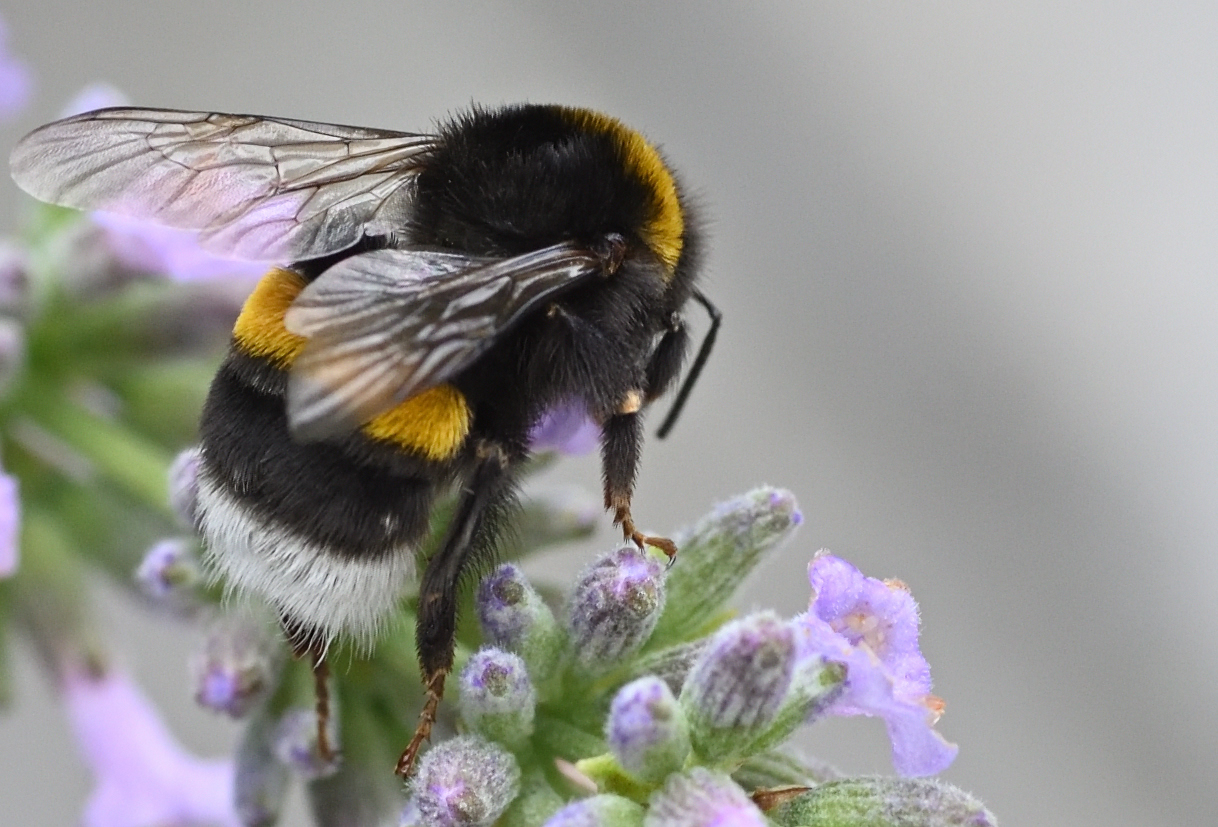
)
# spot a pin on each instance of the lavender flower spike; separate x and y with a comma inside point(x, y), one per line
point(702, 798)
point(497, 698)
point(294, 742)
point(871, 627)
point(169, 573)
point(614, 607)
point(647, 731)
point(15, 79)
point(464, 782)
point(184, 485)
point(10, 526)
point(238, 666)
point(143, 776)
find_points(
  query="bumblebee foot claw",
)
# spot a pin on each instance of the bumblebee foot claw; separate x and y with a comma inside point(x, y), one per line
point(643, 540)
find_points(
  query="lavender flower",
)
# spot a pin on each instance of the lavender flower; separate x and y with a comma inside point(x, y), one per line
point(647, 731)
point(566, 428)
point(12, 353)
point(515, 618)
point(10, 526)
point(871, 627)
point(702, 798)
point(598, 811)
point(238, 666)
point(151, 248)
point(16, 82)
point(169, 572)
point(465, 782)
point(739, 684)
point(143, 776)
point(14, 279)
point(294, 743)
point(614, 607)
point(497, 698)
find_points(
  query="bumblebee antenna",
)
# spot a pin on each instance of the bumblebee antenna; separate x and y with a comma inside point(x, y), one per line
point(708, 341)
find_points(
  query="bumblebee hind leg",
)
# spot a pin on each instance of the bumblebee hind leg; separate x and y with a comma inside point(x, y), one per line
point(311, 644)
point(485, 497)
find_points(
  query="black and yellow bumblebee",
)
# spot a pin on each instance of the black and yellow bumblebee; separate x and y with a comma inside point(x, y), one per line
point(441, 293)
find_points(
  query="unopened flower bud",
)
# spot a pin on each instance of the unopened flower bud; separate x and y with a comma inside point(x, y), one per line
point(864, 802)
point(700, 798)
point(718, 553)
point(184, 486)
point(605, 810)
point(647, 731)
point(295, 742)
point(614, 607)
point(237, 667)
point(169, 572)
point(515, 618)
point(497, 698)
point(738, 686)
point(465, 782)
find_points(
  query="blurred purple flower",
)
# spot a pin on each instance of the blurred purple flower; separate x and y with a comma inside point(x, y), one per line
point(16, 82)
point(143, 776)
point(96, 95)
point(702, 798)
point(566, 428)
point(10, 526)
point(871, 626)
point(151, 248)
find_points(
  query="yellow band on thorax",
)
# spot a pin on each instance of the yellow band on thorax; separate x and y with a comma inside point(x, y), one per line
point(433, 423)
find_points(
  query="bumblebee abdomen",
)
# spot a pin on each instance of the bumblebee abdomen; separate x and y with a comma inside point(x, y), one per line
point(433, 424)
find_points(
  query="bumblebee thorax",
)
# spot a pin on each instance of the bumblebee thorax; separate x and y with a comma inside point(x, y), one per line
point(507, 181)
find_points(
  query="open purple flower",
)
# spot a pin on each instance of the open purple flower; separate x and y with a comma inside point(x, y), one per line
point(16, 81)
point(143, 776)
point(565, 428)
point(10, 526)
point(871, 627)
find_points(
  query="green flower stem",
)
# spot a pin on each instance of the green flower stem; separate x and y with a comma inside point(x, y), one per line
point(49, 596)
point(559, 737)
point(122, 457)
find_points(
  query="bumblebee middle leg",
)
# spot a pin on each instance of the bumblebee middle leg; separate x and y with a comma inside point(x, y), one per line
point(621, 443)
point(486, 494)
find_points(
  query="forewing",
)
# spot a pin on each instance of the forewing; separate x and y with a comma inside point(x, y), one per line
point(386, 325)
point(257, 188)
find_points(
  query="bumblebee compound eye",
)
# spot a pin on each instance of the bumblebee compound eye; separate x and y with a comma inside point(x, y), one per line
point(611, 250)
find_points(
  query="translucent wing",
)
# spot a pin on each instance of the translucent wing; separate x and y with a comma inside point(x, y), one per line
point(385, 325)
point(258, 188)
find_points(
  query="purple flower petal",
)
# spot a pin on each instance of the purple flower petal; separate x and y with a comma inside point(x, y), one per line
point(151, 248)
point(567, 429)
point(143, 776)
point(871, 627)
point(16, 82)
point(10, 526)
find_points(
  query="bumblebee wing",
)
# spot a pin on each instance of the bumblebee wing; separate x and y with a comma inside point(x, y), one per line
point(257, 188)
point(386, 325)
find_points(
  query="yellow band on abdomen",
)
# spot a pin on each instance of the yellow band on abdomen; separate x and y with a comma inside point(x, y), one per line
point(433, 423)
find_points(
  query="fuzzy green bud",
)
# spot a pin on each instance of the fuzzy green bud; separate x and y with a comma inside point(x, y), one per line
point(605, 810)
point(647, 731)
point(717, 554)
point(881, 802)
point(614, 607)
point(465, 782)
point(497, 698)
point(515, 618)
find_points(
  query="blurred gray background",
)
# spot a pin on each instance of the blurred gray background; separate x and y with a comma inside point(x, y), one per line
point(966, 255)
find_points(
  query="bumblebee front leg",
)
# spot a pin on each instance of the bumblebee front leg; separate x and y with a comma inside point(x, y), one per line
point(621, 443)
point(484, 498)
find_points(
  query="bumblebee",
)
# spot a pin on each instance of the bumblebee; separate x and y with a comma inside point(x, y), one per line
point(440, 293)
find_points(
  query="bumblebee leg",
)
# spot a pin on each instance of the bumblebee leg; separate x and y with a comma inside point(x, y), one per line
point(621, 441)
point(483, 499)
point(307, 643)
